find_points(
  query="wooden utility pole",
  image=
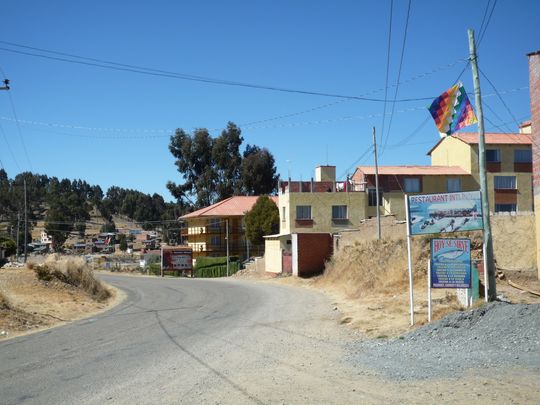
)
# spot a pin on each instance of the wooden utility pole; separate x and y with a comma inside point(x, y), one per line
point(488, 243)
point(18, 227)
point(25, 225)
point(377, 185)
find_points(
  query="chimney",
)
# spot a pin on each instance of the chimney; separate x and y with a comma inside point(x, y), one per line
point(325, 173)
point(534, 87)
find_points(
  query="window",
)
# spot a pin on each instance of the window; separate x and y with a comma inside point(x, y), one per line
point(339, 212)
point(523, 156)
point(214, 223)
point(493, 155)
point(372, 197)
point(505, 208)
point(453, 185)
point(215, 241)
point(505, 182)
point(303, 212)
point(411, 185)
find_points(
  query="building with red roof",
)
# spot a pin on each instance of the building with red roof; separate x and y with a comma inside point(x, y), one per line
point(205, 230)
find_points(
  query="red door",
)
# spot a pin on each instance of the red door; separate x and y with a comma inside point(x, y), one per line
point(286, 260)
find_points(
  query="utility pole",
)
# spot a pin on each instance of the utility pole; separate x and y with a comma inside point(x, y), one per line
point(25, 225)
point(488, 255)
point(227, 239)
point(377, 185)
point(18, 227)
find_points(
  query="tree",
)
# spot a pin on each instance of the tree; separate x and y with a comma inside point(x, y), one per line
point(258, 171)
point(227, 160)
point(262, 219)
point(58, 224)
point(9, 245)
point(213, 169)
point(194, 161)
point(123, 242)
point(108, 227)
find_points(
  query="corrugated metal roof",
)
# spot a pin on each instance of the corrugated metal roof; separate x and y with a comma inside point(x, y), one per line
point(233, 206)
point(413, 170)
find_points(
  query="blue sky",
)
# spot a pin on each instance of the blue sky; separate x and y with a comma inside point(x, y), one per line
point(112, 127)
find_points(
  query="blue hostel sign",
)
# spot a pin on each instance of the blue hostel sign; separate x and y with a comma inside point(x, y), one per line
point(450, 263)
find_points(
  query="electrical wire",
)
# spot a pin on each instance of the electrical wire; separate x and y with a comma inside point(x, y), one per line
point(398, 79)
point(9, 148)
point(155, 72)
point(500, 98)
point(387, 68)
point(17, 121)
point(482, 33)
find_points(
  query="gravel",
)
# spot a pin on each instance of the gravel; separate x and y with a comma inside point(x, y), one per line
point(497, 335)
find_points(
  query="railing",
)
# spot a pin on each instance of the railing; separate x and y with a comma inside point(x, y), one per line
point(320, 187)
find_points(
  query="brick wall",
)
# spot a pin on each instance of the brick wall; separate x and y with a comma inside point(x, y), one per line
point(314, 249)
point(534, 87)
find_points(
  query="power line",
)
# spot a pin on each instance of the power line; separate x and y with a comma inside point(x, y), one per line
point(9, 148)
point(398, 78)
point(17, 121)
point(481, 34)
point(387, 68)
point(500, 98)
point(181, 76)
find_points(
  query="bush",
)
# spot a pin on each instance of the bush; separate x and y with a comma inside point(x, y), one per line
point(208, 267)
point(75, 272)
point(4, 303)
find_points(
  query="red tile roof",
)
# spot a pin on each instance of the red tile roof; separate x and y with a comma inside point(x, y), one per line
point(496, 138)
point(233, 206)
point(413, 170)
point(491, 138)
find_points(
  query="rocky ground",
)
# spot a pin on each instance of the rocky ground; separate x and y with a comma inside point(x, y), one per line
point(495, 336)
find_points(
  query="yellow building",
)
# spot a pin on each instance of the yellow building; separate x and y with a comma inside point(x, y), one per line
point(508, 164)
point(205, 230)
point(396, 181)
point(320, 205)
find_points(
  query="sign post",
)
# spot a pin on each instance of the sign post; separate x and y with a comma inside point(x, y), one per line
point(409, 260)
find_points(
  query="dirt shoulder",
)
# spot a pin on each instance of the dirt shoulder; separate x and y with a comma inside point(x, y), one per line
point(386, 314)
point(32, 305)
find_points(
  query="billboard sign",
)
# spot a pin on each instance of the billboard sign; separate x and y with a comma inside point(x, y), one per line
point(450, 263)
point(444, 212)
point(177, 259)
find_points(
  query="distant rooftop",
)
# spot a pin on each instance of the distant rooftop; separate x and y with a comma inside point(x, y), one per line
point(233, 206)
point(412, 170)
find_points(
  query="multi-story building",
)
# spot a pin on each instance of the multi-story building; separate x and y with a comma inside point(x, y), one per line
point(508, 165)
point(205, 230)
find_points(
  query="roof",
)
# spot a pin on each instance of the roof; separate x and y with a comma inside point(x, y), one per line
point(413, 170)
point(491, 138)
point(232, 206)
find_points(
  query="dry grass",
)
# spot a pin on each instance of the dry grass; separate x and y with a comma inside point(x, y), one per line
point(73, 271)
point(4, 302)
point(375, 266)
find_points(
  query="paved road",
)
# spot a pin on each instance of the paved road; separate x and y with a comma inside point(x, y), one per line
point(188, 341)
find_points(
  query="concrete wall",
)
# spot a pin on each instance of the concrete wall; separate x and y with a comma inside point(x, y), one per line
point(321, 211)
point(272, 255)
point(453, 152)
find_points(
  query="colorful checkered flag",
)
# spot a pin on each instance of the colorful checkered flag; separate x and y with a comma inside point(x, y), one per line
point(452, 110)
